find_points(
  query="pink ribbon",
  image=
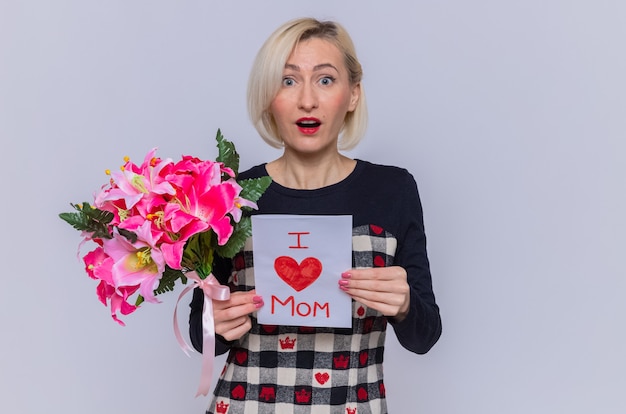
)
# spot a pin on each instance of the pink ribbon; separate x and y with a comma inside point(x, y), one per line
point(212, 290)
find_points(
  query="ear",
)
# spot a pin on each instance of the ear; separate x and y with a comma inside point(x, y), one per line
point(354, 97)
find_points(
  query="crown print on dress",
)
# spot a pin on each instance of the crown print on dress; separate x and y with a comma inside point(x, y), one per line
point(267, 393)
point(287, 343)
point(341, 362)
point(350, 410)
point(221, 408)
point(303, 396)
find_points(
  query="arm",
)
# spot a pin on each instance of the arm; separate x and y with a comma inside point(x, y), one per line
point(403, 291)
point(393, 292)
point(420, 329)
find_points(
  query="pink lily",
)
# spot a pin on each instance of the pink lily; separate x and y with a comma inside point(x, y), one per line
point(140, 263)
point(134, 183)
point(99, 266)
point(119, 301)
point(203, 210)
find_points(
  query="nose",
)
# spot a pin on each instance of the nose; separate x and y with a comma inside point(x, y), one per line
point(307, 99)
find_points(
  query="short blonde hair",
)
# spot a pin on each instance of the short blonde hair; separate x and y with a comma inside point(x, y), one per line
point(267, 72)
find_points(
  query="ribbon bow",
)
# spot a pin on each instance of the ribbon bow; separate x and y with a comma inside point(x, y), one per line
point(212, 290)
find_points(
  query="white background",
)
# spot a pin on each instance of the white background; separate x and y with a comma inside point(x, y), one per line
point(511, 115)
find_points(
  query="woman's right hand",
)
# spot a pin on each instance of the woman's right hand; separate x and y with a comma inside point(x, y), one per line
point(232, 316)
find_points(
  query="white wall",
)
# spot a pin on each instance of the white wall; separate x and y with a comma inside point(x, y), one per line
point(511, 115)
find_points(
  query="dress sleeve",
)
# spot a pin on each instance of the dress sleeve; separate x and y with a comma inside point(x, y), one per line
point(421, 328)
point(222, 270)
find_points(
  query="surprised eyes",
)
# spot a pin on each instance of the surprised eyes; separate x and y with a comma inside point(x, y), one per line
point(324, 81)
point(327, 80)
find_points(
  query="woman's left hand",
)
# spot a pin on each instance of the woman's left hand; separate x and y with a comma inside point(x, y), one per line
point(382, 288)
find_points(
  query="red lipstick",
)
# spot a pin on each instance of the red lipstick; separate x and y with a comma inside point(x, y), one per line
point(308, 125)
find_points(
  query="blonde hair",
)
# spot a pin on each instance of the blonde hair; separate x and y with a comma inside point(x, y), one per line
point(267, 72)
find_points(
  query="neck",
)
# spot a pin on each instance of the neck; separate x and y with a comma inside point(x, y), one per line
point(304, 173)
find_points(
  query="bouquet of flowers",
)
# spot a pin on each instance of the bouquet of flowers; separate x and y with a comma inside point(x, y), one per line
point(154, 222)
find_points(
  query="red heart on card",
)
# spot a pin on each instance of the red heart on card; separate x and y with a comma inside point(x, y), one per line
point(298, 276)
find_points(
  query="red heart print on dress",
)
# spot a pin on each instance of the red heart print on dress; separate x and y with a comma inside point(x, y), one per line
point(241, 356)
point(298, 276)
point(379, 261)
point(322, 377)
point(363, 357)
point(238, 392)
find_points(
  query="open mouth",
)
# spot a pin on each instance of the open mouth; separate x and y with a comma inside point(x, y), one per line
point(308, 123)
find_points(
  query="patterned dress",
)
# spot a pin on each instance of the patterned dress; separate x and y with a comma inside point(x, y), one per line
point(291, 369)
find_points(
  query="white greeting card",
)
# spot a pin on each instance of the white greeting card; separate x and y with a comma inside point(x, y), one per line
point(298, 261)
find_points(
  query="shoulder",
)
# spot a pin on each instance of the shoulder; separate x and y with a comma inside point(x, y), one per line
point(388, 182)
point(385, 173)
point(254, 172)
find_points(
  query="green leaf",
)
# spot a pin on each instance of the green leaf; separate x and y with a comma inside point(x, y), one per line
point(242, 231)
point(227, 153)
point(130, 236)
point(89, 219)
point(198, 253)
point(167, 283)
point(139, 300)
point(253, 188)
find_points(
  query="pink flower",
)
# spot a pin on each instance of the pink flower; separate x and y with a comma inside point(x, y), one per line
point(93, 262)
point(99, 266)
point(157, 208)
point(204, 200)
point(201, 211)
point(118, 301)
point(134, 183)
point(140, 263)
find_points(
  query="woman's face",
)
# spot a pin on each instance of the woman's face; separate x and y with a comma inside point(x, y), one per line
point(314, 98)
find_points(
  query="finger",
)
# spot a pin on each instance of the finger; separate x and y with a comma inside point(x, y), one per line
point(236, 311)
point(237, 301)
point(383, 298)
point(235, 329)
point(383, 286)
point(378, 273)
point(236, 298)
point(233, 313)
point(384, 308)
point(233, 309)
point(232, 323)
point(390, 304)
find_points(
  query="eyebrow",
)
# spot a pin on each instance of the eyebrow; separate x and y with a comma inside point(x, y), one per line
point(315, 68)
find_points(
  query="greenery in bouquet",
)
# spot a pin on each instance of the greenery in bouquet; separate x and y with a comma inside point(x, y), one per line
point(156, 221)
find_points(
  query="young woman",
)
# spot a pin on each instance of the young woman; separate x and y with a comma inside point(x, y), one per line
point(305, 96)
